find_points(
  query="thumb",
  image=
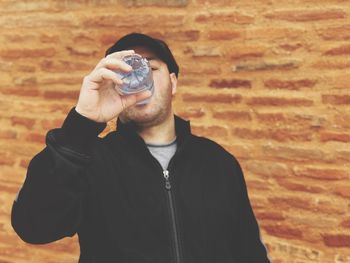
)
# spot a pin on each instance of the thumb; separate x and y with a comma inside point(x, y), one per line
point(131, 99)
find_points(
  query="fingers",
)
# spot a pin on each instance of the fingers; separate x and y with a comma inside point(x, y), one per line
point(129, 100)
point(104, 69)
point(121, 54)
point(103, 74)
point(114, 60)
point(113, 63)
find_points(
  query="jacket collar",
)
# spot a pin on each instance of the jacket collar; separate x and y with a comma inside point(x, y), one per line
point(182, 130)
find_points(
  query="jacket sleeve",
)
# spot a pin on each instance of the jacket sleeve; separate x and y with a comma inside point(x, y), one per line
point(49, 205)
point(250, 247)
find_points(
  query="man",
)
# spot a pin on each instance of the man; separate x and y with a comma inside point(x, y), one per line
point(150, 192)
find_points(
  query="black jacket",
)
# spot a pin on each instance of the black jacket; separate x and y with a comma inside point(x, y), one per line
point(115, 195)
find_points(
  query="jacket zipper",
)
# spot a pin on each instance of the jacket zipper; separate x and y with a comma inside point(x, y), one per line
point(172, 216)
point(170, 197)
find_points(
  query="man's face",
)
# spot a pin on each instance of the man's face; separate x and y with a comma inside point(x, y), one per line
point(159, 107)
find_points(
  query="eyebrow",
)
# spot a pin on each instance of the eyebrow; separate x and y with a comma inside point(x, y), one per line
point(151, 58)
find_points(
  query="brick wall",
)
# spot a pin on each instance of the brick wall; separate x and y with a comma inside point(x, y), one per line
point(267, 79)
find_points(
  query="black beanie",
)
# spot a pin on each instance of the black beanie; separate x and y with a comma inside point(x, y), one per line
point(159, 47)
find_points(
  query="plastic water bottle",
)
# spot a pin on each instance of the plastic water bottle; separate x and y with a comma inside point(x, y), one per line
point(138, 79)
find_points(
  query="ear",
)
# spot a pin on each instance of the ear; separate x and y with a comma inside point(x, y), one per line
point(173, 80)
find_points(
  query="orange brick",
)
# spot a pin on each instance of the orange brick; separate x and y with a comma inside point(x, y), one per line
point(295, 185)
point(230, 83)
point(23, 121)
point(321, 173)
point(225, 17)
point(332, 136)
point(22, 53)
point(283, 231)
point(335, 33)
point(223, 34)
point(61, 95)
point(336, 240)
point(232, 115)
point(338, 51)
point(342, 190)
point(336, 99)
point(279, 101)
point(306, 15)
point(220, 98)
point(192, 113)
point(209, 131)
point(289, 84)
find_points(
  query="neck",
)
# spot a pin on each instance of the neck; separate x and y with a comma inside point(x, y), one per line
point(162, 133)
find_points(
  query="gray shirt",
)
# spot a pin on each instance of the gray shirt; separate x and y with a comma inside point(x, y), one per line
point(163, 152)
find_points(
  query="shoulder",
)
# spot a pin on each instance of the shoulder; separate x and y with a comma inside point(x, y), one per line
point(213, 149)
point(109, 139)
point(217, 160)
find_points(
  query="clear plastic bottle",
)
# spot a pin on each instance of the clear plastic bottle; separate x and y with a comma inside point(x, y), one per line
point(137, 80)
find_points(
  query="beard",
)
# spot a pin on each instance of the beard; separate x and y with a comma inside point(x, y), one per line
point(153, 113)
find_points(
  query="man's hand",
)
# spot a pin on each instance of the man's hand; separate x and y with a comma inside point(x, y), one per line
point(98, 99)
